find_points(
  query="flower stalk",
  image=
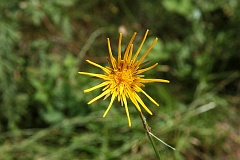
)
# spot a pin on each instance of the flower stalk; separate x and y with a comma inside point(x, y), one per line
point(151, 135)
point(148, 130)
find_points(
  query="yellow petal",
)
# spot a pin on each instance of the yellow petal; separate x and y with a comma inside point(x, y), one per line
point(109, 106)
point(130, 54)
point(126, 109)
point(97, 86)
point(102, 76)
point(99, 66)
point(99, 96)
point(146, 53)
point(153, 80)
point(140, 47)
point(128, 47)
point(119, 49)
point(113, 61)
point(134, 101)
point(150, 98)
point(141, 102)
point(146, 69)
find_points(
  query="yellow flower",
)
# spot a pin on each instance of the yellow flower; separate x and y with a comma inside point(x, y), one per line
point(123, 79)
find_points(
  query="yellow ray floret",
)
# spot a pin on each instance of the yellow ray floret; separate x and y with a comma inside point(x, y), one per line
point(122, 79)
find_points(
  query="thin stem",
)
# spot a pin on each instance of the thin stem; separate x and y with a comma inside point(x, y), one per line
point(148, 130)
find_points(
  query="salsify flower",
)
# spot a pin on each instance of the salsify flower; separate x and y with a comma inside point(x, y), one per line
point(123, 79)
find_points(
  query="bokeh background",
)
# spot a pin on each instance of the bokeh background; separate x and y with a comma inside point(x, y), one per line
point(44, 113)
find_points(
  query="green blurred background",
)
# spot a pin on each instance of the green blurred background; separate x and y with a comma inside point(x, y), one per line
point(44, 113)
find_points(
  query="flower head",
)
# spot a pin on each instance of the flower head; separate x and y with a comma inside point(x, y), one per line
point(123, 79)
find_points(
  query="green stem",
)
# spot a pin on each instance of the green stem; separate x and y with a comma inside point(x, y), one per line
point(148, 130)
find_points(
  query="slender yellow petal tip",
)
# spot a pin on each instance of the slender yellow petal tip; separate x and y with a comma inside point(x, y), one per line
point(164, 81)
point(109, 106)
point(129, 124)
point(123, 79)
point(167, 81)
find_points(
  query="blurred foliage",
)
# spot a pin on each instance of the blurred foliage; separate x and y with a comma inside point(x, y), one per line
point(44, 113)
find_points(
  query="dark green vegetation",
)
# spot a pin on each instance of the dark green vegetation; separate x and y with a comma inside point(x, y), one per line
point(44, 112)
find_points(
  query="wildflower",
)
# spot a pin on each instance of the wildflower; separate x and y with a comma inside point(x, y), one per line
point(123, 79)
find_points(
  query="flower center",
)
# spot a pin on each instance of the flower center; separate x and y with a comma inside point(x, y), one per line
point(124, 77)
